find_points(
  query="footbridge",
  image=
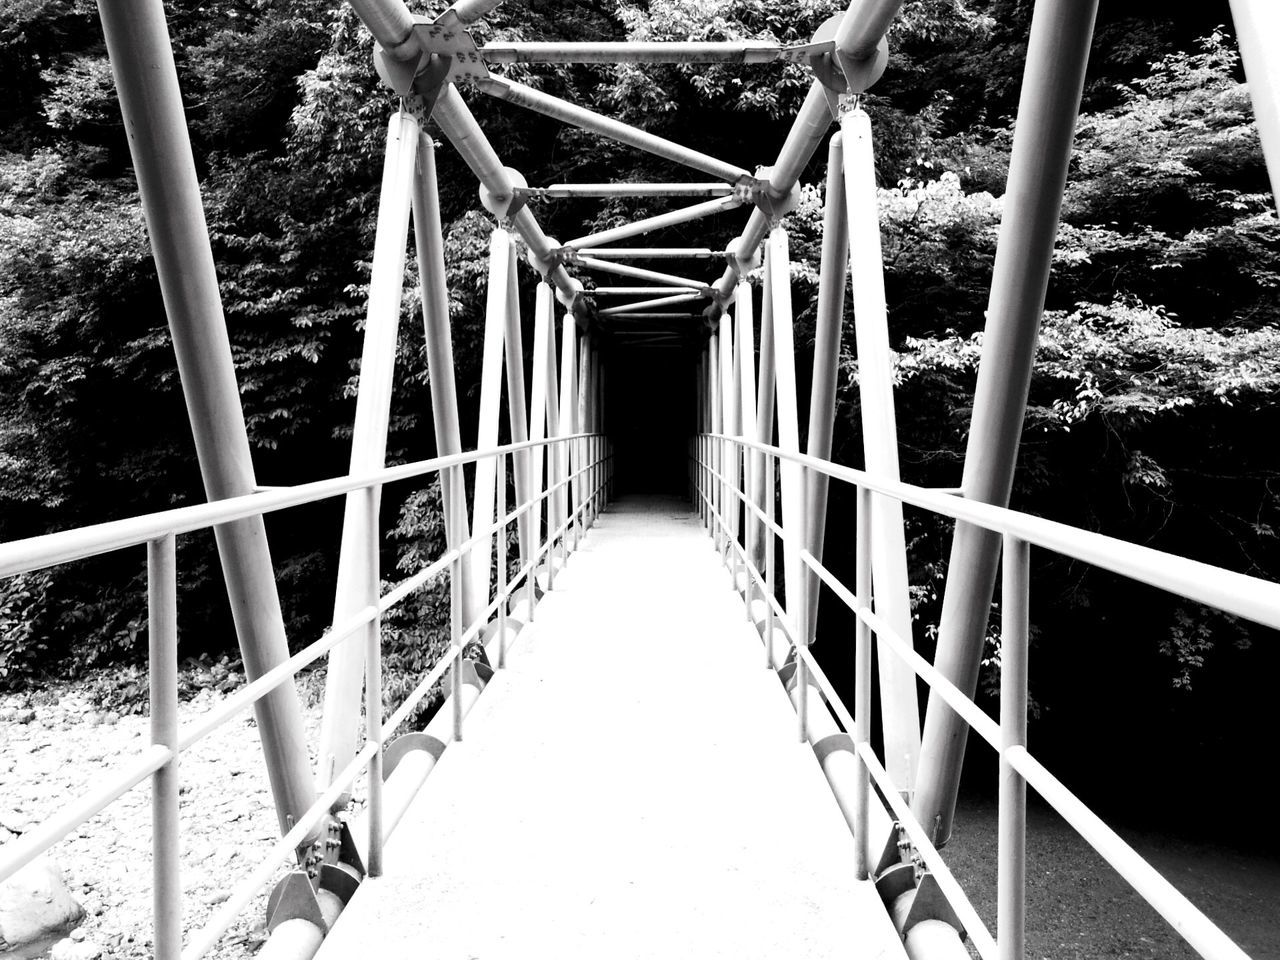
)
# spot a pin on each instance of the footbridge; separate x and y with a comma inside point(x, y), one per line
point(640, 749)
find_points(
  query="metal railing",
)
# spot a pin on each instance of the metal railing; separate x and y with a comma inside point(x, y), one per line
point(159, 761)
point(1238, 594)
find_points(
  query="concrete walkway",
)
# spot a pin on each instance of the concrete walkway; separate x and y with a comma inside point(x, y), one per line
point(631, 786)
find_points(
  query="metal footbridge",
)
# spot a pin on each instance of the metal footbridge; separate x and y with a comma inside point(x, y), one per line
point(638, 753)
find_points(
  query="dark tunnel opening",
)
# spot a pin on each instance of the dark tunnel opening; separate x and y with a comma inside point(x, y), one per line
point(649, 415)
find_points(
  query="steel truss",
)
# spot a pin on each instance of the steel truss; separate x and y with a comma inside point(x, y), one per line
point(747, 456)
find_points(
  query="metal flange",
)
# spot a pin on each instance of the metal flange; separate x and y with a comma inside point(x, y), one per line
point(401, 746)
point(293, 898)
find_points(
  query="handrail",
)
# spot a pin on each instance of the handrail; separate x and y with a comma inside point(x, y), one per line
point(50, 549)
point(159, 528)
point(1236, 593)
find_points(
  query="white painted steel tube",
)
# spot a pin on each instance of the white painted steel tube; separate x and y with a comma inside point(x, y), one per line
point(1257, 31)
point(899, 705)
point(639, 291)
point(862, 681)
point(650, 304)
point(391, 24)
point(564, 190)
point(1236, 593)
point(1057, 55)
point(344, 678)
point(640, 273)
point(469, 11)
point(460, 127)
point(571, 113)
point(1011, 881)
point(695, 212)
point(864, 25)
point(151, 105)
point(437, 333)
point(373, 686)
point(162, 658)
point(654, 253)
point(832, 279)
point(633, 51)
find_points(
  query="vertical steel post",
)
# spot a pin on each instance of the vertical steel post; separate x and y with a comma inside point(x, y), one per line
point(765, 393)
point(770, 559)
point(456, 630)
point(1257, 28)
point(373, 685)
point(543, 355)
point(151, 106)
point(502, 561)
point(1057, 54)
point(746, 372)
point(345, 676)
point(1014, 634)
point(554, 450)
point(495, 323)
point(778, 266)
point(162, 657)
point(429, 242)
point(517, 406)
point(826, 364)
point(862, 688)
point(729, 401)
point(568, 422)
point(899, 706)
point(713, 361)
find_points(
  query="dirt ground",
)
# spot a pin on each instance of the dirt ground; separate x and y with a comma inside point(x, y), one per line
point(1078, 908)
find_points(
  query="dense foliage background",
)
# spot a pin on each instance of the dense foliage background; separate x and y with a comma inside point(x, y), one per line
point(1153, 403)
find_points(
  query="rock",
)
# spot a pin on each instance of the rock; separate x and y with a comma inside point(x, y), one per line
point(24, 716)
point(110, 717)
point(75, 950)
point(12, 821)
point(36, 906)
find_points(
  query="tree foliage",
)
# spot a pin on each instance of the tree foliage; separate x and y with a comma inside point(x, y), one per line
point(1155, 377)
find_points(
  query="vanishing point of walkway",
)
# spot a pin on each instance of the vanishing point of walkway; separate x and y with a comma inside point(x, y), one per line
point(630, 786)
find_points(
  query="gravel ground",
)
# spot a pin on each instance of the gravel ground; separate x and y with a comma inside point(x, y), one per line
point(55, 745)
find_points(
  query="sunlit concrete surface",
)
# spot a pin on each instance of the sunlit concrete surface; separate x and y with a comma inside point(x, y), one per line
point(631, 786)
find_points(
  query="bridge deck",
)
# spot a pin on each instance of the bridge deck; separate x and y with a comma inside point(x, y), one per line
point(631, 786)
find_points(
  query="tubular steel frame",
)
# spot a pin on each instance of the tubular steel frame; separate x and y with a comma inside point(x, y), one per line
point(1238, 594)
point(738, 472)
point(160, 761)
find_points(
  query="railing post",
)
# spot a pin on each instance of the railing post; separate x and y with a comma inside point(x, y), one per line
point(502, 560)
point(862, 686)
point(1014, 624)
point(373, 679)
point(802, 641)
point(455, 638)
point(162, 642)
point(770, 561)
point(553, 509)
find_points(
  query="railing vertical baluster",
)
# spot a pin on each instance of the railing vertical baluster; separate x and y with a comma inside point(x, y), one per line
point(536, 489)
point(770, 575)
point(1014, 622)
point(373, 681)
point(553, 513)
point(502, 560)
point(455, 641)
point(862, 686)
point(799, 604)
point(162, 642)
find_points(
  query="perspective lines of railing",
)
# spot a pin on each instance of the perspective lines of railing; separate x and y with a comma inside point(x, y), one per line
point(576, 492)
point(741, 518)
